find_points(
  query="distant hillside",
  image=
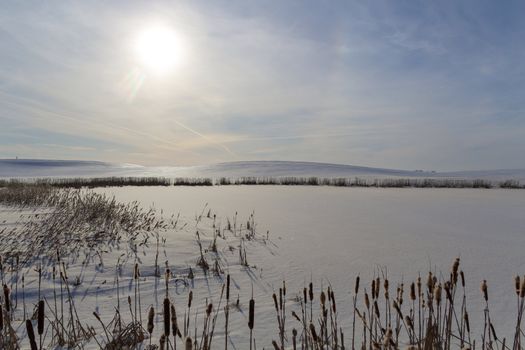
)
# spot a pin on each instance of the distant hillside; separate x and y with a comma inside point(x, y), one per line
point(65, 168)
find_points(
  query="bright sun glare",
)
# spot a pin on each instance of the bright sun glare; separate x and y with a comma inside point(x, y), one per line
point(159, 49)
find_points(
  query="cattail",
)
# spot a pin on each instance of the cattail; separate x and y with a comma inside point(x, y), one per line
point(323, 298)
point(333, 301)
point(373, 289)
point(522, 290)
point(484, 290)
point(294, 314)
point(455, 268)
point(294, 338)
point(251, 316)
point(437, 294)
point(517, 284)
point(31, 335)
point(467, 323)
point(311, 292)
point(162, 342)
point(209, 309)
point(136, 273)
point(448, 291)
point(462, 275)
point(190, 298)
point(304, 295)
point(280, 298)
point(378, 280)
point(166, 317)
point(413, 291)
point(357, 279)
point(41, 315)
point(430, 283)
point(376, 309)
point(409, 322)
point(398, 310)
point(151, 315)
point(228, 287)
point(189, 344)
point(367, 301)
point(313, 332)
point(274, 297)
point(174, 326)
point(6, 299)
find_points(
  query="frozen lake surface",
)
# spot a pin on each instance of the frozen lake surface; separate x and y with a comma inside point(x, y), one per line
point(331, 235)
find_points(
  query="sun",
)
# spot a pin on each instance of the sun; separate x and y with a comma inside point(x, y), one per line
point(159, 49)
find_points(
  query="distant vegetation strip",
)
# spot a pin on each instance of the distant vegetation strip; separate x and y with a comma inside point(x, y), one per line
point(286, 180)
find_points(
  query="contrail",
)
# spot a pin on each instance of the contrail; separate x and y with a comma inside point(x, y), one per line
point(38, 108)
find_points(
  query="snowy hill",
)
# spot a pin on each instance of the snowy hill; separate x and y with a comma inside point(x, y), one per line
point(74, 168)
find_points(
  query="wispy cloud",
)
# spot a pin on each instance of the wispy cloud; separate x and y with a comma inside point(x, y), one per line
point(379, 83)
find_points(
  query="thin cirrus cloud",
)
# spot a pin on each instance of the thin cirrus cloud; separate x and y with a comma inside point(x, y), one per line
point(380, 83)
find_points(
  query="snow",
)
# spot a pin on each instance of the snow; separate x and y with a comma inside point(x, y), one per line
point(325, 234)
point(331, 235)
point(53, 168)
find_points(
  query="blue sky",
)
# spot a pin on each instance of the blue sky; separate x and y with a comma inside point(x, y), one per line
point(401, 84)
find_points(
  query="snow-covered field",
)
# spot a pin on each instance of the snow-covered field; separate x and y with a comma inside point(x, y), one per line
point(326, 235)
point(331, 235)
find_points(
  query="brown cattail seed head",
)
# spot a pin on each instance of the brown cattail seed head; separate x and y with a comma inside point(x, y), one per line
point(356, 290)
point(209, 309)
point(162, 342)
point(166, 317)
point(189, 344)
point(6, 299)
point(430, 283)
point(31, 335)
point(228, 287)
point(517, 284)
point(41, 315)
point(437, 294)
point(462, 275)
point(376, 309)
point(413, 291)
point(455, 267)
point(311, 292)
point(190, 298)
point(151, 315)
point(251, 315)
point(323, 298)
point(294, 314)
point(409, 322)
point(367, 301)
point(174, 325)
point(373, 289)
point(484, 290)
point(313, 332)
